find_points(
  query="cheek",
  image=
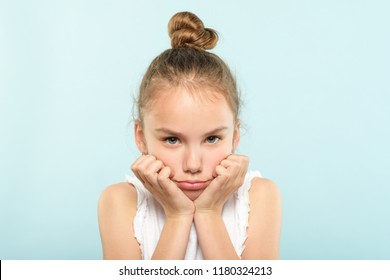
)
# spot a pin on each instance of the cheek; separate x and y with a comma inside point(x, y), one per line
point(213, 158)
point(166, 156)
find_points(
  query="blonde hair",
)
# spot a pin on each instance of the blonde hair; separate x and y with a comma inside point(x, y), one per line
point(188, 64)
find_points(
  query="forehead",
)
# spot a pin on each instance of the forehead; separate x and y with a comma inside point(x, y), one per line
point(181, 109)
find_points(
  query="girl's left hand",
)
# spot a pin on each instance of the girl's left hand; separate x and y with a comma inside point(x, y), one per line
point(229, 176)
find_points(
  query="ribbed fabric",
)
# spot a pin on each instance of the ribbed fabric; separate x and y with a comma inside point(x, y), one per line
point(150, 218)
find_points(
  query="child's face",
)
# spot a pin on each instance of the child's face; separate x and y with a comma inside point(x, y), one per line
point(191, 135)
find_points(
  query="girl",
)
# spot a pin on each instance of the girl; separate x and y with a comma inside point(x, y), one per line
point(192, 197)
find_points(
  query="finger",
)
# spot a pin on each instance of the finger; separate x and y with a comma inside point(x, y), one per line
point(163, 178)
point(220, 179)
point(172, 173)
point(226, 163)
point(136, 169)
point(151, 172)
point(241, 158)
point(142, 161)
point(141, 165)
point(153, 167)
point(220, 170)
point(230, 159)
point(235, 157)
point(164, 174)
point(137, 162)
point(145, 162)
point(236, 161)
point(215, 172)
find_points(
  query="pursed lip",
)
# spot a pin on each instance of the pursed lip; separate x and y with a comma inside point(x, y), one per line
point(192, 185)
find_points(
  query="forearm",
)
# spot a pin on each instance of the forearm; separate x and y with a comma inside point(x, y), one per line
point(213, 237)
point(173, 241)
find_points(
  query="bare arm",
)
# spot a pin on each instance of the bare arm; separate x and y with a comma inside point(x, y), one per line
point(178, 208)
point(173, 241)
point(265, 221)
point(116, 211)
point(264, 227)
point(213, 237)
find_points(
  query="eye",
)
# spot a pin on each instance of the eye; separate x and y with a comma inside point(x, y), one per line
point(212, 139)
point(171, 140)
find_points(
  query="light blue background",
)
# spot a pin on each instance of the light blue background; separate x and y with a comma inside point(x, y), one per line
point(315, 81)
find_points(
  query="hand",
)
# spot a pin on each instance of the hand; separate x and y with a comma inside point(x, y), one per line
point(157, 180)
point(229, 176)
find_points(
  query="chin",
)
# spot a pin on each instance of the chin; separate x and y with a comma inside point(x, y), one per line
point(193, 195)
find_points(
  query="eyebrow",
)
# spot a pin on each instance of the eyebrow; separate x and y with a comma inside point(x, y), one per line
point(172, 132)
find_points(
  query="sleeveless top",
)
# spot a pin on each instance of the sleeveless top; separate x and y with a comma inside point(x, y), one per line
point(149, 220)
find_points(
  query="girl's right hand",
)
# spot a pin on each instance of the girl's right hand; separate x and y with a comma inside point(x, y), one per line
point(157, 180)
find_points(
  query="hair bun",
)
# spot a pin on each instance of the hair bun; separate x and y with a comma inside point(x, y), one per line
point(187, 30)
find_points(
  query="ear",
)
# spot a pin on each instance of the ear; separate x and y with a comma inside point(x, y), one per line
point(140, 137)
point(236, 135)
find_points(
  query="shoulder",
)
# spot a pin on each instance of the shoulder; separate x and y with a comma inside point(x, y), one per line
point(119, 196)
point(264, 188)
point(122, 192)
point(265, 197)
point(118, 199)
point(116, 211)
point(264, 221)
point(118, 190)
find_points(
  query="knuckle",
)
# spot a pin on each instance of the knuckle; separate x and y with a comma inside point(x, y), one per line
point(149, 173)
point(160, 175)
point(159, 163)
point(135, 168)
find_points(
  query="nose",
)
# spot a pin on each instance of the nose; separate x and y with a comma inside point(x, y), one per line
point(193, 160)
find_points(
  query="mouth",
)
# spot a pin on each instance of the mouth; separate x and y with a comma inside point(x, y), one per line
point(192, 185)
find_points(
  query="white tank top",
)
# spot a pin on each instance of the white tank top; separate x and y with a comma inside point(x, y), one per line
point(150, 218)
